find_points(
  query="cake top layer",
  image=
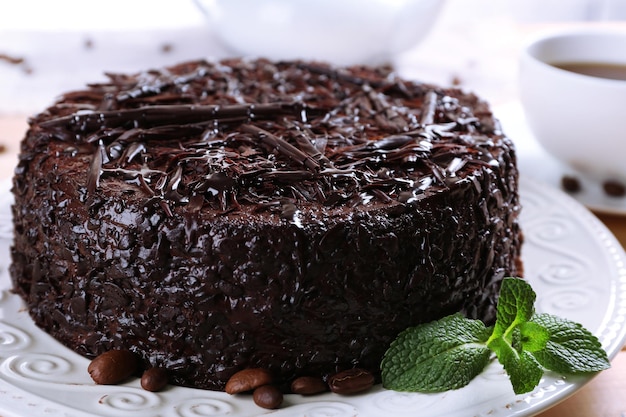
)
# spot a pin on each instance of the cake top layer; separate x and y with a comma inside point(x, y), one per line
point(239, 132)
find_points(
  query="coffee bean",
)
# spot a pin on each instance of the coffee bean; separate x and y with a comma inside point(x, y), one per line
point(614, 188)
point(308, 385)
point(154, 379)
point(570, 184)
point(267, 396)
point(113, 367)
point(247, 380)
point(351, 381)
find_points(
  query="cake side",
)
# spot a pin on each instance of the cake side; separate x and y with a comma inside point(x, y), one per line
point(206, 244)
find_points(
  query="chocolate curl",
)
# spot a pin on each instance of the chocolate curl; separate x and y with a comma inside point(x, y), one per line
point(95, 170)
point(282, 146)
point(177, 114)
point(429, 108)
point(305, 144)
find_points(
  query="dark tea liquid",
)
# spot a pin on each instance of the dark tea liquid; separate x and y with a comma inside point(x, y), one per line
point(595, 69)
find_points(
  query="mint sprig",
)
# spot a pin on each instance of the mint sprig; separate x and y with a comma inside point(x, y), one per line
point(448, 353)
point(425, 358)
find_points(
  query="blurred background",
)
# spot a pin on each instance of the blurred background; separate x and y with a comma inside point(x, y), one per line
point(48, 47)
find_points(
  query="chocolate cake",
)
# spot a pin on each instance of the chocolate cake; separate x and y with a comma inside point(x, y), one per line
point(292, 216)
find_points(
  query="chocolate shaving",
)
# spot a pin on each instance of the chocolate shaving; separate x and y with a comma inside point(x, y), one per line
point(340, 75)
point(305, 144)
point(93, 180)
point(428, 109)
point(282, 146)
point(159, 115)
point(15, 60)
point(143, 89)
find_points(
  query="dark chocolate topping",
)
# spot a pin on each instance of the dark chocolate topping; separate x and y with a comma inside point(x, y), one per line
point(260, 132)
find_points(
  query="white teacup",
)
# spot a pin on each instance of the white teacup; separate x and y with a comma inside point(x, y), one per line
point(579, 119)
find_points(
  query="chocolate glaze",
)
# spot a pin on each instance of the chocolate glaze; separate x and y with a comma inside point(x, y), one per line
point(214, 216)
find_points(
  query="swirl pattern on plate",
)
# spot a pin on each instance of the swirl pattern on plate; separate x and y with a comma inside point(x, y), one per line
point(12, 338)
point(36, 366)
point(204, 407)
point(130, 401)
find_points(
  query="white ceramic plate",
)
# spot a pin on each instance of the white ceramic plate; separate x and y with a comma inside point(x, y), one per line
point(575, 265)
point(536, 163)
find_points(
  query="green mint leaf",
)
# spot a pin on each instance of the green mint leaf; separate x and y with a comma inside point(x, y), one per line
point(571, 348)
point(533, 336)
point(515, 306)
point(523, 369)
point(513, 336)
point(438, 356)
